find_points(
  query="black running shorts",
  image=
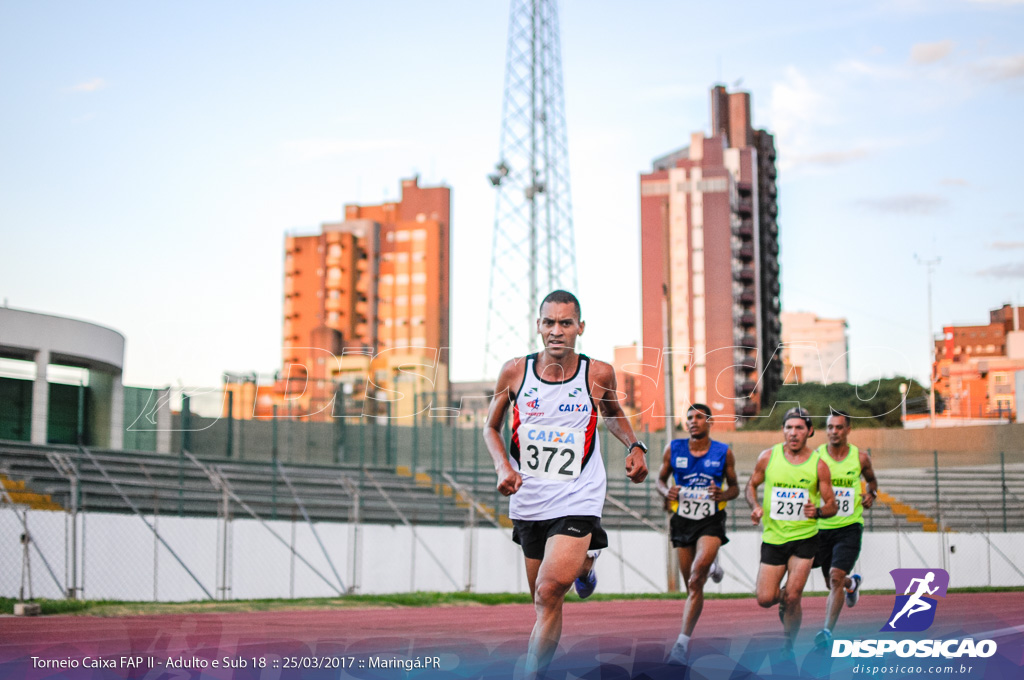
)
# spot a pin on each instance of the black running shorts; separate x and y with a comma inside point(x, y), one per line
point(838, 548)
point(533, 535)
point(776, 555)
point(685, 532)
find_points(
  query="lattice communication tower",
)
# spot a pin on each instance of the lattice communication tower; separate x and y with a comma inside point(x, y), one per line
point(534, 250)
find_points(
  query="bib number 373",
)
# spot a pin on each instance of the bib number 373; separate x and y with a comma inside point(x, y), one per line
point(695, 503)
point(553, 453)
point(788, 504)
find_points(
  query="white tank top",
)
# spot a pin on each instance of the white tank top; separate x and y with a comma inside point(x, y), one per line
point(555, 447)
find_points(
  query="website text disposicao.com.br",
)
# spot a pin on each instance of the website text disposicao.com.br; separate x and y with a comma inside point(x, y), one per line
point(953, 669)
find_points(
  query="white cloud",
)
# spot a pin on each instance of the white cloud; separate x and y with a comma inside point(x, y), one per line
point(326, 147)
point(1003, 68)
point(796, 107)
point(90, 85)
point(859, 67)
point(954, 182)
point(832, 158)
point(929, 53)
point(905, 204)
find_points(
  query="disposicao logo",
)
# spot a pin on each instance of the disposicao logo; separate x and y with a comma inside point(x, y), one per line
point(915, 608)
point(914, 611)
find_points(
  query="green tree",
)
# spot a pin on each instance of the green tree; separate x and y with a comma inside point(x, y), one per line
point(873, 404)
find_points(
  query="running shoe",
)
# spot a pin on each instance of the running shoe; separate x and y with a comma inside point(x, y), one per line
point(585, 586)
point(678, 654)
point(853, 594)
point(782, 605)
point(716, 573)
point(823, 640)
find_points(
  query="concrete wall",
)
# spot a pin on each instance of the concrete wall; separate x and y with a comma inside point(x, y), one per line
point(388, 559)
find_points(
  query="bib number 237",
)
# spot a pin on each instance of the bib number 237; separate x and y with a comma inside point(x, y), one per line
point(788, 504)
point(550, 452)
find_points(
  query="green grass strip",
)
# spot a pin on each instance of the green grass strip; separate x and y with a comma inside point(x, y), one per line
point(116, 608)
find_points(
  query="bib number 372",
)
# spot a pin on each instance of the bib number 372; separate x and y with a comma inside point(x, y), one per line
point(551, 452)
point(788, 504)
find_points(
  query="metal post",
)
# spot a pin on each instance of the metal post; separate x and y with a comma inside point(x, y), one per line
point(156, 546)
point(273, 463)
point(291, 578)
point(930, 266)
point(455, 447)
point(389, 439)
point(80, 424)
point(186, 445)
point(1002, 478)
point(231, 424)
point(339, 427)
point(938, 510)
point(415, 431)
point(471, 530)
point(288, 439)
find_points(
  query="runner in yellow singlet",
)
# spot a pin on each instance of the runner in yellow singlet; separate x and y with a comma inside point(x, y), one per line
point(795, 478)
point(839, 537)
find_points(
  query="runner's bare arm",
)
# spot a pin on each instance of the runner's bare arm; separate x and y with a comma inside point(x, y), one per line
point(730, 477)
point(756, 480)
point(603, 390)
point(669, 492)
point(868, 473)
point(511, 376)
point(829, 507)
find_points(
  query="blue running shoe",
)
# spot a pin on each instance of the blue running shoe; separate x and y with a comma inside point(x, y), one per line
point(853, 594)
point(823, 640)
point(585, 586)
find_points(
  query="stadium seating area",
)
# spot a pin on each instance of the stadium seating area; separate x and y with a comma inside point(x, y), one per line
point(969, 499)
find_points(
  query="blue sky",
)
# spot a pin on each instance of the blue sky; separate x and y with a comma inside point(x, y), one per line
point(153, 157)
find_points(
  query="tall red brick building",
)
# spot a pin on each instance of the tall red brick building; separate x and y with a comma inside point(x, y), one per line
point(710, 276)
point(376, 282)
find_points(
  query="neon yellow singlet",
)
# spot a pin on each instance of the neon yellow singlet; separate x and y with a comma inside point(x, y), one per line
point(846, 485)
point(787, 487)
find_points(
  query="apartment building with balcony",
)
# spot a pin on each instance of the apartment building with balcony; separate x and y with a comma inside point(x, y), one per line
point(710, 274)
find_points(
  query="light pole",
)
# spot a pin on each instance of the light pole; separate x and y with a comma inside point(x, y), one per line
point(930, 266)
point(903, 404)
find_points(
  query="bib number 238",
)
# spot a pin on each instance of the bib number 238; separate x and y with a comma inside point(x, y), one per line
point(550, 452)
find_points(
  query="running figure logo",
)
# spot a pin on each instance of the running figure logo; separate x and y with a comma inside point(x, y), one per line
point(915, 609)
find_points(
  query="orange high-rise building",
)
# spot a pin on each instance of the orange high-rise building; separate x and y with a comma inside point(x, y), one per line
point(378, 281)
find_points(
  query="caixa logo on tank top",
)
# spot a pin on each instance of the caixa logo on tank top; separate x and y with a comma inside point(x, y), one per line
point(914, 611)
point(578, 407)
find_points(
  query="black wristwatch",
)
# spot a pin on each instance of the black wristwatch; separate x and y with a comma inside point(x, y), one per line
point(637, 444)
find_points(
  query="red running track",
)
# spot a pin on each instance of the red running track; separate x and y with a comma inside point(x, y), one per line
point(482, 630)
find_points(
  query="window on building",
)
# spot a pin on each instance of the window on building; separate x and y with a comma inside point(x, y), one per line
point(419, 235)
point(402, 235)
point(419, 277)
